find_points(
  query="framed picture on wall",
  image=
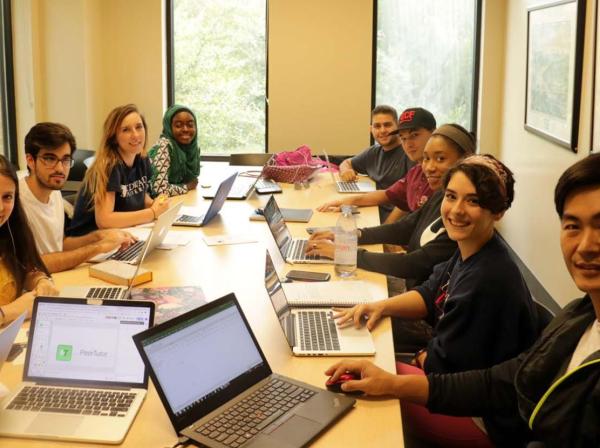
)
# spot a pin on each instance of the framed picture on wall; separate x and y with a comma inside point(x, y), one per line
point(596, 105)
point(554, 64)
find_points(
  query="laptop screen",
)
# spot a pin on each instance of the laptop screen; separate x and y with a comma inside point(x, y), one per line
point(278, 299)
point(202, 359)
point(277, 225)
point(73, 341)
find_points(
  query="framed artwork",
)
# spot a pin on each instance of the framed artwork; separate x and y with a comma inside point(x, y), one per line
point(554, 64)
point(596, 105)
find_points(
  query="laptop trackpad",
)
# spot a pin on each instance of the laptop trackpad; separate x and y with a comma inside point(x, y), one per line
point(54, 424)
point(296, 431)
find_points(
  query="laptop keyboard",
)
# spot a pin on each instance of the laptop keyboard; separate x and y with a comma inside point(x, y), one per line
point(130, 253)
point(298, 251)
point(189, 219)
point(73, 401)
point(248, 417)
point(348, 186)
point(104, 293)
point(318, 331)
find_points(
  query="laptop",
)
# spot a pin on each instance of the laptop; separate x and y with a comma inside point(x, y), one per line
point(83, 379)
point(292, 250)
point(213, 209)
point(218, 388)
point(349, 186)
point(108, 292)
point(313, 331)
point(7, 337)
point(132, 253)
point(241, 189)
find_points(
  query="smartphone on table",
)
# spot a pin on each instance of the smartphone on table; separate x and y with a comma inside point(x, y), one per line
point(307, 276)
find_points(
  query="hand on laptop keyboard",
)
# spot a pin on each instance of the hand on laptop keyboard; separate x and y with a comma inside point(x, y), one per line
point(321, 247)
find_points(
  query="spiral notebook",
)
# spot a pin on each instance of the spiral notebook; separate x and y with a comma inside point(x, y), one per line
point(325, 294)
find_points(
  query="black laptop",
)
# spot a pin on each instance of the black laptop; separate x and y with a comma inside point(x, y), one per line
point(218, 389)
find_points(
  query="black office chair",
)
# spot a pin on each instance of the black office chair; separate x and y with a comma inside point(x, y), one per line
point(249, 159)
point(79, 168)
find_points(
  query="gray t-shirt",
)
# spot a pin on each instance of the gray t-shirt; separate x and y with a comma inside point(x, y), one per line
point(384, 167)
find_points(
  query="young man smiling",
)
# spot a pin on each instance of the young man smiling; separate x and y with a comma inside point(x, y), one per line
point(49, 149)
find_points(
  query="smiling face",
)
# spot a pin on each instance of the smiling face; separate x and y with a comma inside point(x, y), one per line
point(183, 127)
point(50, 167)
point(414, 141)
point(7, 198)
point(470, 225)
point(438, 158)
point(580, 238)
point(131, 135)
point(381, 126)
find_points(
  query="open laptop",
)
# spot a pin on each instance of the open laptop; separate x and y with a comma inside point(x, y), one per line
point(7, 337)
point(241, 189)
point(313, 331)
point(292, 250)
point(133, 253)
point(108, 292)
point(349, 186)
point(83, 379)
point(218, 388)
point(212, 211)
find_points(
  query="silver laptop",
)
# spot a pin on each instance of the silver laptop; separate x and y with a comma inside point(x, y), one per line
point(8, 336)
point(292, 250)
point(313, 331)
point(108, 292)
point(160, 229)
point(213, 209)
point(241, 189)
point(83, 379)
point(218, 388)
point(349, 186)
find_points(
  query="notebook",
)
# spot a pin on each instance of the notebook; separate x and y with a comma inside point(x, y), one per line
point(109, 292)
point(292, 250)
point(160, 229)
point(342, 293)
point(213, 209)
point(83, 379)
point(313, 331)
point(289, 214)
point(351, 186)
point(212, 376)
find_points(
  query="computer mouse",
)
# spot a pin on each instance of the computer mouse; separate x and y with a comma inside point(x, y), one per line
point(336, 386)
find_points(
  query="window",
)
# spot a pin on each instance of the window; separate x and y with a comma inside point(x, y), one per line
point(7, 91)
point(427, 56)
point(218, 68)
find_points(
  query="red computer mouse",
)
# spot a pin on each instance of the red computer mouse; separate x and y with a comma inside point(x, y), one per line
point(336, 386)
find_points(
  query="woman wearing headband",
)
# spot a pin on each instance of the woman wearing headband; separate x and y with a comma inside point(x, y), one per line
point(21, 267)
point(549, 393)
point(176, 157)
point(422, 231)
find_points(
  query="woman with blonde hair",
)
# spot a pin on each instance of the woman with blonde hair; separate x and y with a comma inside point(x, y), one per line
point(115, 188)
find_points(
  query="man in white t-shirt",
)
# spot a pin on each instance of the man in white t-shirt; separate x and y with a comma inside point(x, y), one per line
point(49, 151)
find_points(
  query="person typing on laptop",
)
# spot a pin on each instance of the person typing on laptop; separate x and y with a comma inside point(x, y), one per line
point(115, 188)
point(409, 193)
point(49, 149)
point(21, 267)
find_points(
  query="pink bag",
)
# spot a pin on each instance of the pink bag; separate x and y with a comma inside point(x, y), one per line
point(292, 166)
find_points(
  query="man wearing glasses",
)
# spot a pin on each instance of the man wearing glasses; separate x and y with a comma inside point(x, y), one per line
point(49, 149)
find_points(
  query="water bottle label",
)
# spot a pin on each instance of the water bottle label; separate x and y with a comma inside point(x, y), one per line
point(345, 249)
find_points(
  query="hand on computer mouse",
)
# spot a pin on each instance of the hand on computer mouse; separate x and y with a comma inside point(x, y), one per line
point(336, 385)
point(369, 379)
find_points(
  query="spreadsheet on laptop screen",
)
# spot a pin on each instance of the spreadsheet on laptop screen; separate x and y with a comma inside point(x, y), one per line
point(87, 342)
point(201, 356)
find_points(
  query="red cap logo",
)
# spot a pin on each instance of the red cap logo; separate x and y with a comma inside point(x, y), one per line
point(407, 116)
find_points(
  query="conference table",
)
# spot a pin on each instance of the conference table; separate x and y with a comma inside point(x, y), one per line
point(239, 268)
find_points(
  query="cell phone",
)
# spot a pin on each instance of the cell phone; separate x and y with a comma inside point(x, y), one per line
point(307, 276)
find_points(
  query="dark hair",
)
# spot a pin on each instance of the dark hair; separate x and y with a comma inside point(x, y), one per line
point(582, 174)
point(457, 137)
point(17, 246)
point(493, 193)
point(48, 136)
point(387, 110)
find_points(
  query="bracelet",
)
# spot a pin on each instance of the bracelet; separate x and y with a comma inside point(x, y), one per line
point(40, 279)
point(153, 213)
point(2, 314)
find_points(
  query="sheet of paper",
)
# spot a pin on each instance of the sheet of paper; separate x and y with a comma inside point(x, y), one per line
point(175, 238)
point(220, 240)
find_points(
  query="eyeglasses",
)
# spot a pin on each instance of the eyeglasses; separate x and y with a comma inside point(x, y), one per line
point(50, 161)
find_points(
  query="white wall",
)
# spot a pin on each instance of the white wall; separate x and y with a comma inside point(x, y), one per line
point(531, 225)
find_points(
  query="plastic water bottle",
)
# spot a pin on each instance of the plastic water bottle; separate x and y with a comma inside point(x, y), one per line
point(346, 242)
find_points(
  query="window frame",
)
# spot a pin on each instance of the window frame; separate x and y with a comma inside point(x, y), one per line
point(170, 56)
point(476, 64)
point(7, 85)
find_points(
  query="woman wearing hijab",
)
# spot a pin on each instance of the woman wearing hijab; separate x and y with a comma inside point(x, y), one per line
point(175, 157)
